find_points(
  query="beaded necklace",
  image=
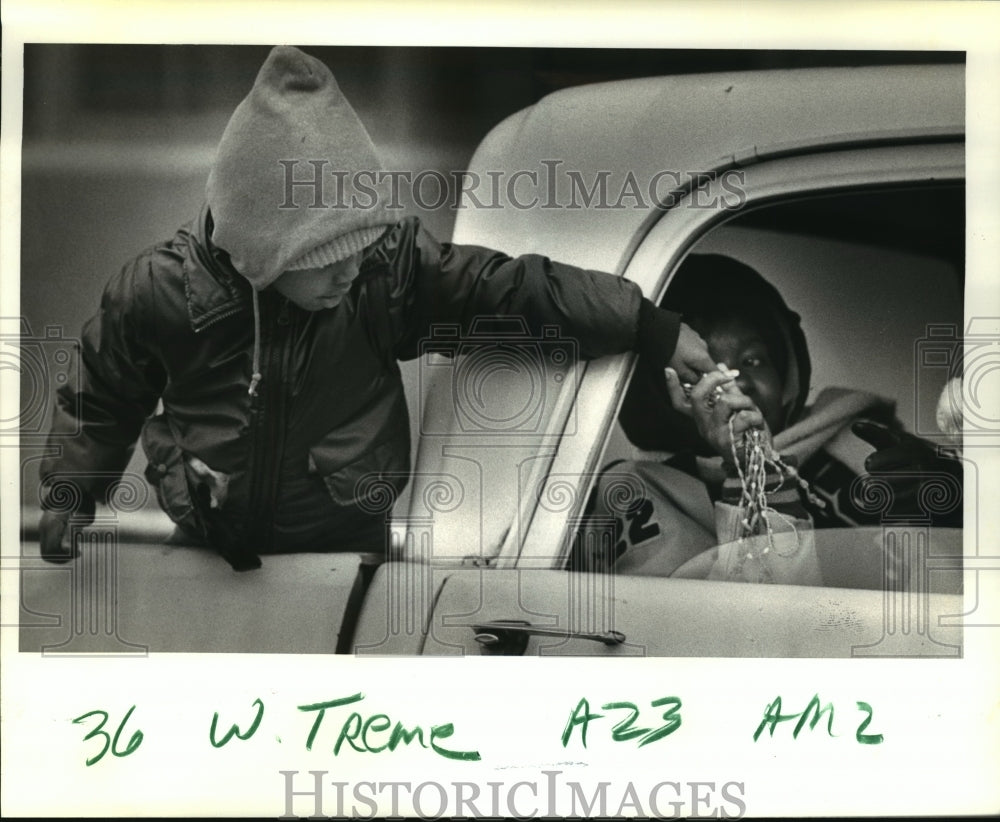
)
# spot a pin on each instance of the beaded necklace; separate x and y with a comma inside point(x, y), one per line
point(755, 513)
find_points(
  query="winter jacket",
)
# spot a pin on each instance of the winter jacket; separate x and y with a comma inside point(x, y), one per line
point(176, 325)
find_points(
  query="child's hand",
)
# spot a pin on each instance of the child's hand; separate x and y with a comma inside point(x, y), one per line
point(691, 358)
point(53, 527)
point(52, 538)
point(711, 402)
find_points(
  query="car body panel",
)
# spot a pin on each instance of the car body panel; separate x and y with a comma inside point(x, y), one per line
point(687, 124)
point(680, 617)
point(161, 598)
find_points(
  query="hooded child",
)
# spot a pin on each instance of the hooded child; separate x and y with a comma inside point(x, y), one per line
point(271, 332)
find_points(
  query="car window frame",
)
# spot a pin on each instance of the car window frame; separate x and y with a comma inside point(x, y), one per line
point(547, 530)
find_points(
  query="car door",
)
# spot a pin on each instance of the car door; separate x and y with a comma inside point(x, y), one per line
point(524, 601)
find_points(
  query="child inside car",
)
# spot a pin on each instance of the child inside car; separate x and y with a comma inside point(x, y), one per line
point(741, 455)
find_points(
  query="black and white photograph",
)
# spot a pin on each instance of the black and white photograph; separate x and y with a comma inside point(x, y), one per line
point(520, 359)
point(410, 461)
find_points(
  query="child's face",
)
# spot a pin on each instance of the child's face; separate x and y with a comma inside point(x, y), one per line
point(317, 288)
point(736, 343)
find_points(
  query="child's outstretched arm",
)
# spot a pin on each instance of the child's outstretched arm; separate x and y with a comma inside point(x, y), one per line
point(604, 314)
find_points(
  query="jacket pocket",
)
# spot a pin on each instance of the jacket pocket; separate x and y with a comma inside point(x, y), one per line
point(165, 472)
point(362, 482)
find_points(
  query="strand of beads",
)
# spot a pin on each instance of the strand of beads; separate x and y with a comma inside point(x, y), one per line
point(752, 466)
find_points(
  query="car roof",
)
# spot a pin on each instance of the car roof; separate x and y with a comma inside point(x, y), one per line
point(685, 124)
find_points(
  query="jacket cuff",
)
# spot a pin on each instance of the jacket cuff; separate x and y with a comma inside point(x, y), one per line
point(656, 336)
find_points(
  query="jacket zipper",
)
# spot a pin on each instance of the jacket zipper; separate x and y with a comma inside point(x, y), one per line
point(224, 315)
point(268, 412)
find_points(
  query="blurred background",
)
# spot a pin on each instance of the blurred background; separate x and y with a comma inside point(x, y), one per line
point(118, 140)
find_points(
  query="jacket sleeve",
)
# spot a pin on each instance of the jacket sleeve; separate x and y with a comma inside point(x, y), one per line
point(443, 283)
point(114, 385)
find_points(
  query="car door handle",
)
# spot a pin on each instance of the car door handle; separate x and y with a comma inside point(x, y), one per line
point(509, 637)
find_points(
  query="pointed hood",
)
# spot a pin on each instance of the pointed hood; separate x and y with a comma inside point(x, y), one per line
point(295, 125)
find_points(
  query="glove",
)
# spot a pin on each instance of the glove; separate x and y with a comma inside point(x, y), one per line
point(908, 463)
point(53, 526)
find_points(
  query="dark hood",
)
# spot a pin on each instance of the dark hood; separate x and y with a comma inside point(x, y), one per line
point(709, 285)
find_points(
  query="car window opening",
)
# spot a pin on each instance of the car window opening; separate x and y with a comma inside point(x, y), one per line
point(825, 306)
